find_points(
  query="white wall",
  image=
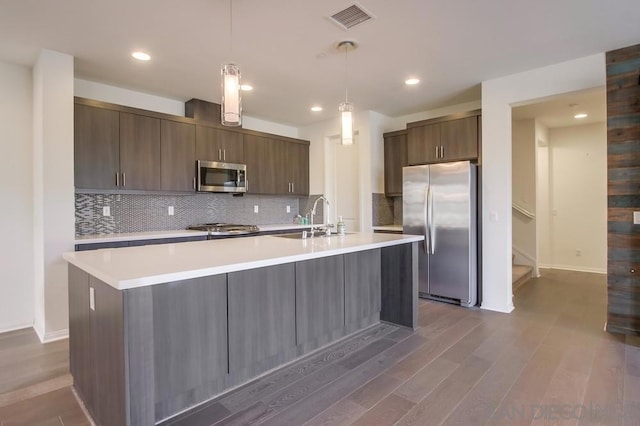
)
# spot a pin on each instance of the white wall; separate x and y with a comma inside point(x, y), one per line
point(579, 197)
point(53, 190)
point(16, 181)
point(523, 157)
point(498, 96)
point(543, 198)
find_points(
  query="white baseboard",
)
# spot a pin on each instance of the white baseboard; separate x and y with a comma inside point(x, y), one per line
point(503, 309)
point(18, 327)
point(576, 269)
point(56, 335)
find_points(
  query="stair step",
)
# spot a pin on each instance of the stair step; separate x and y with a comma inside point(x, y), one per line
point(520, 274)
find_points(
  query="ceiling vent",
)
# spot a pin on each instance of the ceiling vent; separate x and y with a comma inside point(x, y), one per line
point(351, 16)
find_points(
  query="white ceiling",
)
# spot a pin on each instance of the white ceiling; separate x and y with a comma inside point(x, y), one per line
point(559, 111)
point(286, 48)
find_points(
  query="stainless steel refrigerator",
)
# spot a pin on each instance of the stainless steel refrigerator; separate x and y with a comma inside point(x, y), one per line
point(440, 202)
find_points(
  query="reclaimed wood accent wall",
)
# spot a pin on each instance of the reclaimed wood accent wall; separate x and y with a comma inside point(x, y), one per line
point(623, 158)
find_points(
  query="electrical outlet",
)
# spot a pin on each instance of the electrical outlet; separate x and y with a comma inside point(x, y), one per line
point(578, 252)
point(170, 211)
point(288, 209)
point(106, 211)
point(256, 209)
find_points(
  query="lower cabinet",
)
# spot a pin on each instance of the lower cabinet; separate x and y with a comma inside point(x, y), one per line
point(361, 288)
point(319, 301)
point(262, 315)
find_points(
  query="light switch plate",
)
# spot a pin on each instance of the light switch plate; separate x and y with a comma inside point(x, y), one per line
point(106, 211)
point(288, 209)
point(256, 208)
point(171, 211)
point(636, 218)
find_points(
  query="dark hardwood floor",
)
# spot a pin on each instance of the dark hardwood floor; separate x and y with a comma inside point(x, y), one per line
point(549, 362)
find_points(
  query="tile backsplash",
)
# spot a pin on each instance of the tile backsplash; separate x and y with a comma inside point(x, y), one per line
point(386, 210)
point(143, 212)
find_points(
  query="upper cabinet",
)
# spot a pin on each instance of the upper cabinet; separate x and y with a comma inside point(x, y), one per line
point(139, 152)
point(443, 139)
point(219, 145)
point(96, 148)
point(395, 158)
point(177, 156)
point(276, 166)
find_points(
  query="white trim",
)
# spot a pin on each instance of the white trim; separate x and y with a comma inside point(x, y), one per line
point(16, 328)
point(39, 332)
point(498, 308)
point(56, 335)
point(577, 269)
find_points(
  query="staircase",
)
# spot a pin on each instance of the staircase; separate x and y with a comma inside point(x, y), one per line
point(520, 274)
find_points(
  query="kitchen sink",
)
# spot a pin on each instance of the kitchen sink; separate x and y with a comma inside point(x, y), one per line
point(298, 235)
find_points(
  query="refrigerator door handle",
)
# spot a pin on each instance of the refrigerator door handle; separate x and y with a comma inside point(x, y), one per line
point(427, 230)
point(431, 223)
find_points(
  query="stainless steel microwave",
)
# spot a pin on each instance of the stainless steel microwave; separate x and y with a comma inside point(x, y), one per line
point(216, 176)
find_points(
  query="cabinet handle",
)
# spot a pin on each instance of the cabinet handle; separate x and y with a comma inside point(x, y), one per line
point(437, 153)
point(293, 187)
point(124, 180)
point(246, 185)
point(194, 182)
point(224, 155)
point(117, 179)
point(219, 154)
point(441, 151)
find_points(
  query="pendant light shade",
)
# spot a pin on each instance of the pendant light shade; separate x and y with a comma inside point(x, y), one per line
point(346, 118)
point(231, 102)
point(346, 107)
point(231, 105)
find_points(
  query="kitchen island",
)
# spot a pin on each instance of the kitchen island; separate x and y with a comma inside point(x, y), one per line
point(155, 330)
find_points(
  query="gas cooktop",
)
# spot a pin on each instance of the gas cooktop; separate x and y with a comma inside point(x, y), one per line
point(225, 228)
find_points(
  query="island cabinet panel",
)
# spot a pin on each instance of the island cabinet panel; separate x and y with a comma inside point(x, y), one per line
point(399, 284)
point(362, 289)
point(262, 329)
point(177, 156)
point(219, 145)
point(96, 147)
point(189, 342)
point(80, 334)
point(139, 152)
point(319, 301)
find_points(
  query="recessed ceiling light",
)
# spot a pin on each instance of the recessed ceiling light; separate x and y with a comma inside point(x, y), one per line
point(316, 108)
point(411, 81)
point(141, 56)
point(246, 87)
point(581, 115)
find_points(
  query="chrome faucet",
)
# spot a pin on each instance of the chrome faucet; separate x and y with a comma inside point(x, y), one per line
point(312, 212)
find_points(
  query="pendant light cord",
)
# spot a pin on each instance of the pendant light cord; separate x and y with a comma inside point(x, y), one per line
point(230, 29)
point(346, 73)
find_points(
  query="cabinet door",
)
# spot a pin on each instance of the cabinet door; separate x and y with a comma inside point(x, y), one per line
point(219, 145)
point(139, 152)
point(422, 143)
point(261, 307)
point(264, 158)
point(297, 167)
point(395, 158)
point(177, 156)
point(459, 139)
point(96, 147)
point(319, 300)
point(362, 288)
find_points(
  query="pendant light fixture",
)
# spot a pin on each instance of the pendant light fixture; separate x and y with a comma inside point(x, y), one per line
point(346, 107)
point(231, 107)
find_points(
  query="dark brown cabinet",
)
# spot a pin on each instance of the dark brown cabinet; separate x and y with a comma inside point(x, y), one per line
point(177, 156)
point(443, 139)
point(276, 166)
point(219, 145)
point(96, 147)
point(395, 158)
point(139, 152)
point(297, 168)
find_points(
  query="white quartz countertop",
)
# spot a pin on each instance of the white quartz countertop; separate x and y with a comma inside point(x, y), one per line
point(152, 235)
point(132, 267)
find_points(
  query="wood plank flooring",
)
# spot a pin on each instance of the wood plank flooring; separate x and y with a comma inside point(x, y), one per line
point(549, 362)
